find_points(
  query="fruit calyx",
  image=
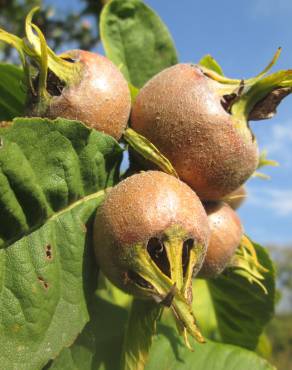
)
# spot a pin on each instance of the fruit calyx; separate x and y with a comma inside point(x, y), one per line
point(245, 263)
point(163, 271)
point(263, 162)
point(252, 99)
point(34, 51)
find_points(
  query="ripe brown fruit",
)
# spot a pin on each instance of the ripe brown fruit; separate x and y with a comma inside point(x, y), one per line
point(181, 112)
point(226, 233)
point(97, 94)
point(77, 85)
point(150, 236)
point(140, 211)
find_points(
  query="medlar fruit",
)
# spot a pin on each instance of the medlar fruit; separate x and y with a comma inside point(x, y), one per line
point(96, 93)
point(199, 121)
point(225, 237)
point(77, 85)
point(150, 237)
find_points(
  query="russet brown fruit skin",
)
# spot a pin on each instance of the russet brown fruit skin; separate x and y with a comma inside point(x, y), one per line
point(180, 112)
point(138, 208)
point(226, 233)
point(236, 198)
point(100, 98)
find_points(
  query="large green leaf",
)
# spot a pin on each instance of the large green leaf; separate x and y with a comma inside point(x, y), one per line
point(46, 166)
point(171, 354)
point(136, 40)
point(12, 92)
point(99, 347)
point(43, 290)
point(204, 309)
point(243, 309)
point(52, 176)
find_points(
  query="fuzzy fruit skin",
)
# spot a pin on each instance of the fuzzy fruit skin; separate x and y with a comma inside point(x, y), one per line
point(236, 198)
point(99, 97)
point(180, 112)
point(226, 233)
point(138, 208)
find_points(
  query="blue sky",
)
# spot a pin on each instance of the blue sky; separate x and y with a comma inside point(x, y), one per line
point(242, 36)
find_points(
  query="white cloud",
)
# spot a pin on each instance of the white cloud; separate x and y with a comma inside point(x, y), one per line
point(270, 7)
point(281, 135)
point(279, 143)
point(278, 200)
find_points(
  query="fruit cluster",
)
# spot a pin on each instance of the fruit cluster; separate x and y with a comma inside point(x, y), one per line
point(155, 232)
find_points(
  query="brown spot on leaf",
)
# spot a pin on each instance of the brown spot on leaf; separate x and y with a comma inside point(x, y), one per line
point(43, 282)
point(49, 255)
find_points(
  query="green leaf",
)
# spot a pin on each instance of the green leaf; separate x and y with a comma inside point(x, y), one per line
point(99, 347)
point(209, 62)
point(100, 344)
point(12, 92)
point(242, 308)
point(139, 334)
point(204, 310)
point(136, 40)
point(43, 296)
point(46, 166)
point(52, 179)
point(148, 151)
point(171, 354)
